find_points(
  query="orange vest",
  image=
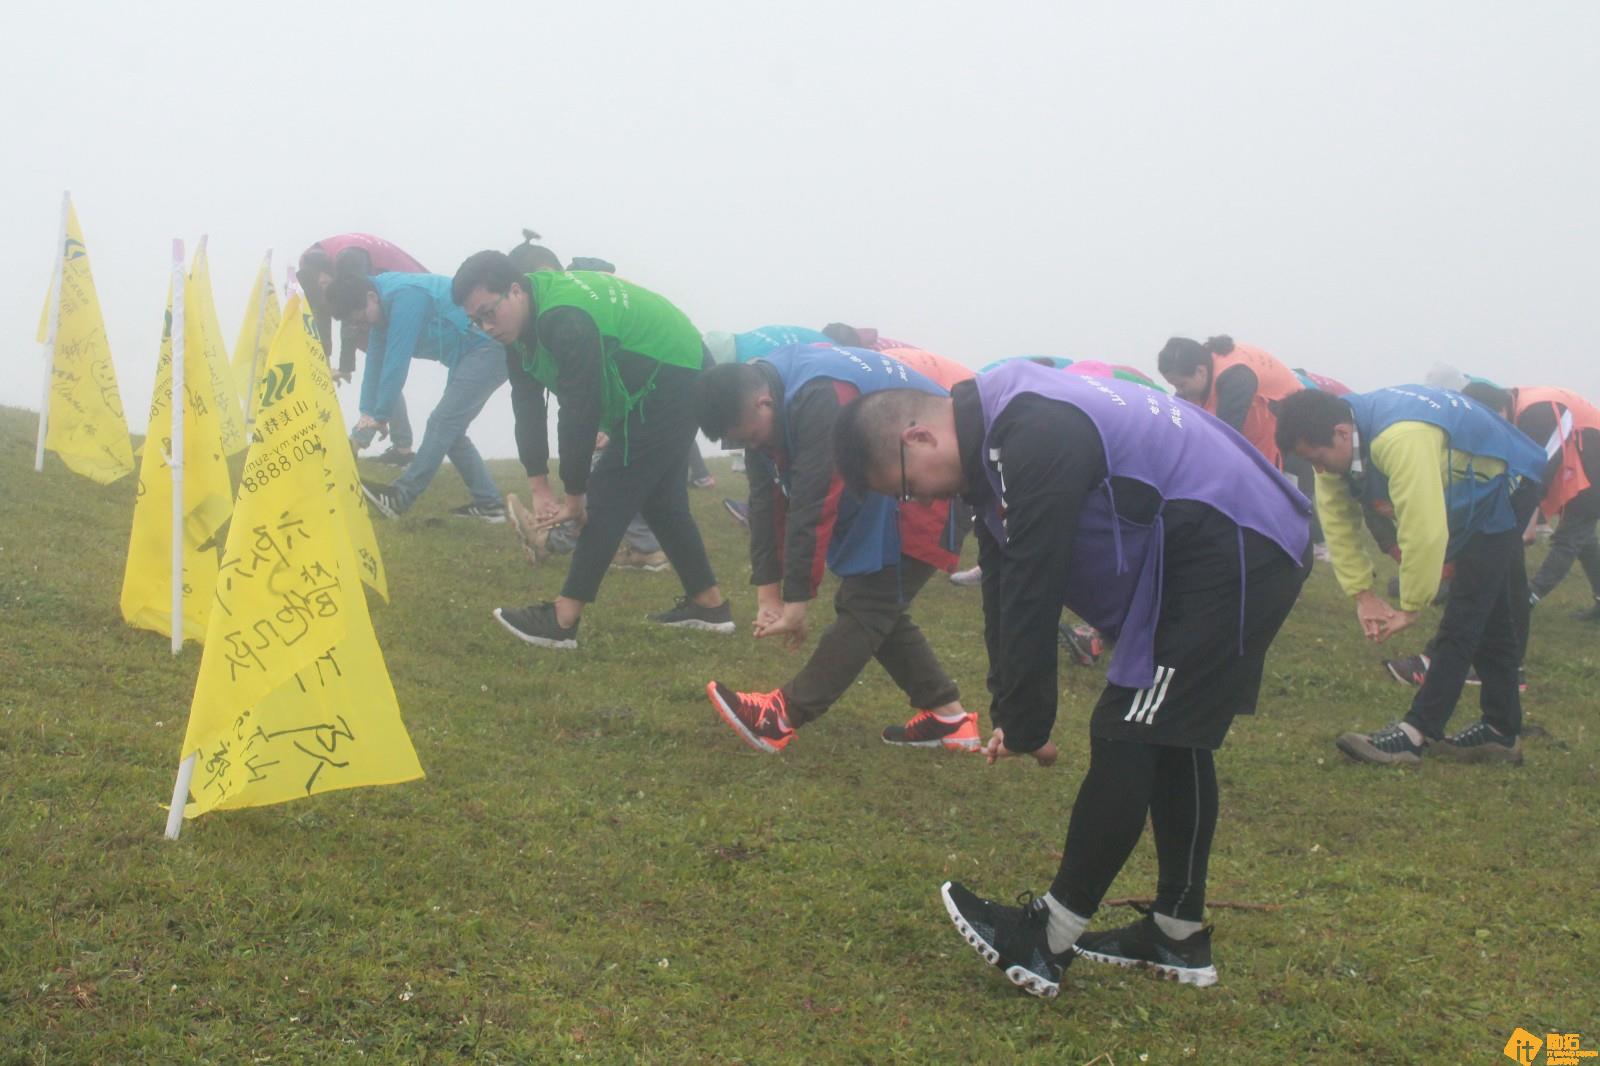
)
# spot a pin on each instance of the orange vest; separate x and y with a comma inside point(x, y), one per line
point(941, 370)
point(1574, 414)
point(1274, 381)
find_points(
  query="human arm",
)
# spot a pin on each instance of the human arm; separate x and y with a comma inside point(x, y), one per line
point(1412, 456)
point(404, 319)
point(574, 344)
point(1236, 390)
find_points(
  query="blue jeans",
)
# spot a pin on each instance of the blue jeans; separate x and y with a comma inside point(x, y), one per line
point(474, 378)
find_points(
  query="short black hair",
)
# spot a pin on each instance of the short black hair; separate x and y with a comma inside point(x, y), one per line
point(1182, 356)
point(843, 335)
point(721, 394)
point(1494, 398)
point(1310, 416)
point(348, 294)
point(866, 433)
point(488, 269)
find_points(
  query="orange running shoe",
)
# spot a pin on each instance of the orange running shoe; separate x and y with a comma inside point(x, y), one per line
point(925, 730)
point(758, 717)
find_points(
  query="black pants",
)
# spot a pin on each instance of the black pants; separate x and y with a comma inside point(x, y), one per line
point(1574, 540)
point(644, 470)
point(1177, 788)
point(872, 623)
point(1485, 625)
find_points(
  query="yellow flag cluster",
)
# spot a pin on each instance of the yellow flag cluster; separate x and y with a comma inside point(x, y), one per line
point(85, 425)
point(203, 332)
point(207, 496)
point(255, 337)
point(293, 696)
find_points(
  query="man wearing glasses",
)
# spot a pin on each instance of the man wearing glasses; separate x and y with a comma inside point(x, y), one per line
point(625, 361)
point(1166, 531)
point(411, 316)
point(781, 408)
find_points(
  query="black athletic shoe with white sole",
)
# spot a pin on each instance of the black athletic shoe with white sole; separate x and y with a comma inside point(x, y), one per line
point(538, 625)
point(686, 614)
point(1144, 946)
point(383, 501)
point(1480, 743)
point(1015, 939)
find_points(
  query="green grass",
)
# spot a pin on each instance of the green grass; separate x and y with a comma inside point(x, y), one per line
point(596, 867)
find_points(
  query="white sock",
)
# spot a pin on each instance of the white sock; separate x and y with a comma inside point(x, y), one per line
point(1176, 928)
point(1065, 926)
point(952, 717)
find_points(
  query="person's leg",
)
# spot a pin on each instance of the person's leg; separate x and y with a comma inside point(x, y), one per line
point(400, 432)
point(1480, 576)
point(662, 433)
point(1499, 653)
point(1183, 816)
point(698, 473)
point(1107, 820)
point(1574, 539)
point(906, 656)
point(614, 495)
point(640, 538)
point(473, 380)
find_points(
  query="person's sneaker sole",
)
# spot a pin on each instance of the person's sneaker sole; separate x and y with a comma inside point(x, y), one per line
point(1199, 977)
point(1398, 676)
point(487, 519)
point(1020, 976)
point(1480, 753)
point(701, 625)
point(958, 744)
point(733, 722)
point(649, 568)
point(1356, 746)
point(569, 644)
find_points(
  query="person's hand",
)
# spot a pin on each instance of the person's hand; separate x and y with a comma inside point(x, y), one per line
point(1374, 615)
point(769, 607)
point(541, 500)
point(995, 750)
point(342, 377)
point(1397, 621)
point(573, 509)
point(601, 440)
point(790, 625)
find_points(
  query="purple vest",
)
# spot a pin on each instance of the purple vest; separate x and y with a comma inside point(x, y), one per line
point(1177, 449)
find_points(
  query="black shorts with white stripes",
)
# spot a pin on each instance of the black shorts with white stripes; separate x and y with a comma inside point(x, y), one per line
point(1202, 680)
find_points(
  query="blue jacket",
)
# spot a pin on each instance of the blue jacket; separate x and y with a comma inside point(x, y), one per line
point(420, 321)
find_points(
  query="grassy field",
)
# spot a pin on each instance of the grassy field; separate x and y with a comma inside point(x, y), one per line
point(595, 868)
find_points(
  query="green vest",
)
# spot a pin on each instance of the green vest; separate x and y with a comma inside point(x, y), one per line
point(629, 318)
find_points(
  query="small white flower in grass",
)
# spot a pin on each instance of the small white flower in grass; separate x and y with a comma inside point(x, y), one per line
point(405, 997)
point(663, 963)
point(483, 688)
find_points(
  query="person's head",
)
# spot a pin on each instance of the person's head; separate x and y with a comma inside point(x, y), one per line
point(316, 270)
point(494, 294)
point(1319, 427)
point(735, 406)
point(530, 256)
point(843, 335)
point(353, 299)
point(1495, 399)
point(1186, 364)
point(900, 443)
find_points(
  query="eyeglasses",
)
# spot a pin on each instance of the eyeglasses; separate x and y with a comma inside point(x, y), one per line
point(905, 487)
point(485, 314)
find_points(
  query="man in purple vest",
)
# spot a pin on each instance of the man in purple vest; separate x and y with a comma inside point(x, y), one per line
point(1170, 533)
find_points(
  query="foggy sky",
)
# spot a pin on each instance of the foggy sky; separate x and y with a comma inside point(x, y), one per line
point(1360, 188)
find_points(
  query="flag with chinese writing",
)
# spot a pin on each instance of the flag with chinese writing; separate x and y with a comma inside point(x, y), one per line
point(207, 502)
point(293, 697)
point(203, 333)
point(86, 426)
point(260, 325)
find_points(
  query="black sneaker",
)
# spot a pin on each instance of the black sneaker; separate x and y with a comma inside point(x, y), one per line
point(1081, 641)
point(493, 513)
point(686, 614)
point(1389, 746)
point(1411, 670)
point(384, 501)
point(1015, 939)
point(1480, 743)
point(1144, 946)
point(740, 511)
point(1522, 678)
point(396, 456)
point(537, 625)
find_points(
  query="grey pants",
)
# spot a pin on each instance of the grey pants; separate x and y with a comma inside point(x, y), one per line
point(1573, 541)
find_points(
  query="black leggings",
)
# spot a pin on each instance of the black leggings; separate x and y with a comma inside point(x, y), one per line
point(1177, 787)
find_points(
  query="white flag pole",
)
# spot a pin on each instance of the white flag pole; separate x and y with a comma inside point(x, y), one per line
point(175, 458)
point(180, 796)
point(255, 353)
point(55, 326)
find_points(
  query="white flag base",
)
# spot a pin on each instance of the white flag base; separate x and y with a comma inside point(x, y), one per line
point(180, 796)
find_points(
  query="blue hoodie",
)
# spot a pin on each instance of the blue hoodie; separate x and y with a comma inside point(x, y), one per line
point(420, 321)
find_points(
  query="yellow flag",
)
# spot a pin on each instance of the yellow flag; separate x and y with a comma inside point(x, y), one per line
point(293, 696)
point(203, 333)
point(255, 337)
point(207, 498)
point(86, 425)
point(293, 347)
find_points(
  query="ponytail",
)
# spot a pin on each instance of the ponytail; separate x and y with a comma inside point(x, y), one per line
point(1219, 345)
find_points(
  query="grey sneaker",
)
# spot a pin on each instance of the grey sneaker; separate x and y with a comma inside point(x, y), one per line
point(493, 513)
point(686, 614)
point(537, 625)
point(1389, 746)
point(1480, 743)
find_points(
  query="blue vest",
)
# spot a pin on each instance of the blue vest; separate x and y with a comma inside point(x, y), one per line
point(757, 343)
point(866, 537)
point(1181, 452)
point(1474, 504)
